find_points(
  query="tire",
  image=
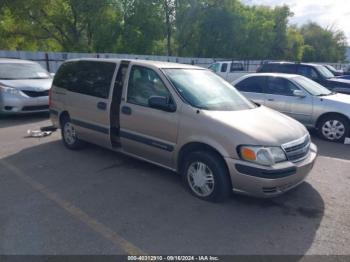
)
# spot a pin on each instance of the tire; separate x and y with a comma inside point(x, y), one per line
point(218, 186)
point(69, 137)
point(333, 128)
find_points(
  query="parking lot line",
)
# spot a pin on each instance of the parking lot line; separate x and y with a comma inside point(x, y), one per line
point(74, 211)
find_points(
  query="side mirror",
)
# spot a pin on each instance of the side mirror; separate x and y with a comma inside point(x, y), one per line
point(299, 93)
point(162, 103)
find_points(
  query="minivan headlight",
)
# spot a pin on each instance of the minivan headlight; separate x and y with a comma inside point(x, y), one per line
point(8, 90)
point(266, 156)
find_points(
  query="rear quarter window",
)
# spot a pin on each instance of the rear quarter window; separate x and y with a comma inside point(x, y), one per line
point(252, 84)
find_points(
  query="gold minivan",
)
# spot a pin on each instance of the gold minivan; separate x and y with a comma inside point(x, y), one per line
point(183, 118)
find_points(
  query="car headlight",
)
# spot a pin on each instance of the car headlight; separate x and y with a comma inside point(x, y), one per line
point(266, 156)
point(9, 90)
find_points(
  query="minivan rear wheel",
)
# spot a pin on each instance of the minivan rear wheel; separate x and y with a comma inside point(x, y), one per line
point(333, 128)
point(69, 136)
point(205, 175)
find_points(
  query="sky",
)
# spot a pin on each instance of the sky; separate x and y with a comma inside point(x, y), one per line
point(334, 13)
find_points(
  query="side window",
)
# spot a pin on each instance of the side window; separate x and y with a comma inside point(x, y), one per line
point(223, 67)
point(270, 68)
point(288, 69)
point(308, 72)
point(144, 83)
point(93, 78)
point(86, 77)
point(280, 86)
point(236, 67)
point(253, 84)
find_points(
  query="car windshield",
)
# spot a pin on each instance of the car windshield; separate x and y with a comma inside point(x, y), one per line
point(325, 72)
point(15, 71)
point(203, 89)
point(311, 86)
point(331, 68)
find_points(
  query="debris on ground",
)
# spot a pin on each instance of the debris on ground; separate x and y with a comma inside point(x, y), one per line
point(44, 131)
point(48, 128)
point(347, 141)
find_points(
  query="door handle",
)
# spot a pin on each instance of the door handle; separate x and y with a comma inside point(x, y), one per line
point(270, 99)
point(102, 105)
point(126, 110)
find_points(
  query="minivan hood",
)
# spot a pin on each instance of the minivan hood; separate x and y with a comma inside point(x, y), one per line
point(28, 84)
point(260, 126)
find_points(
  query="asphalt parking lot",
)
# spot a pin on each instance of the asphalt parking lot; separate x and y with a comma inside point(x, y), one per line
point(94, 201)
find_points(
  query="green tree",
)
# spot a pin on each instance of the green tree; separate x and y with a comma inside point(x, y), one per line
point(295, 45)
point(72, 24)
point(323, 44)
point(280, 17)
point(200, 28)
point(143, 26)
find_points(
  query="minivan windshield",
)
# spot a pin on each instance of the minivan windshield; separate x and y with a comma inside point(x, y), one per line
point(324, 72)
point(204, 89)
point(15, 71)
point(311, 86)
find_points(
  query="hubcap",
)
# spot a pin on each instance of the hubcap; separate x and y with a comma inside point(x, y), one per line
point(200, 179)
point(69, 133)
point(333, 129)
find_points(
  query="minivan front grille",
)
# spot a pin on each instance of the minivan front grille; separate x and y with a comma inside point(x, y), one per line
point(298, 150)
point(36, 93)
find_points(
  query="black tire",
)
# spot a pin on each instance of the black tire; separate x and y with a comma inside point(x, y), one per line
point(74, 144)
point(330, 119)
point(222, 187)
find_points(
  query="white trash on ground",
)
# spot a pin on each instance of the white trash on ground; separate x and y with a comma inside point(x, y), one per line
point(44, 131)
point(38, 133)
point(347, 141)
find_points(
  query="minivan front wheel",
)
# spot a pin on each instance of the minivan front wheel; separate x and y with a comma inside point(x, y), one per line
point(206, 176)
point(69, 136)
point(333, 128)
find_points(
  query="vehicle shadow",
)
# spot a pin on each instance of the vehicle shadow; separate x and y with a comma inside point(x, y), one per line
point(149, 207)
point(330, 149)
point(14, 120)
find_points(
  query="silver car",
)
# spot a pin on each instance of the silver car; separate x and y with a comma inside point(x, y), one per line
point(301, 98)
point(24, 87)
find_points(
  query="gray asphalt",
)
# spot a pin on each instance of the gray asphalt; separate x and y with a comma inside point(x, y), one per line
point(94, 201)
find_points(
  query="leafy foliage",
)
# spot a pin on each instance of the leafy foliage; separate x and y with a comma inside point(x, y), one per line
point(201, 28)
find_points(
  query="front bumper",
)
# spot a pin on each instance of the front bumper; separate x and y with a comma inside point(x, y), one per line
point(21, 103)
point(256, 180)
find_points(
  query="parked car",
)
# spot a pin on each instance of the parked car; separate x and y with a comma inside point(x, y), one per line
point(339, 74)
point(183, 118)
point(24, 87)
point(347, 77)
point(229, 70)
point(334, 71)
point(315, 72)
point(346, 73)
point(301, 98)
